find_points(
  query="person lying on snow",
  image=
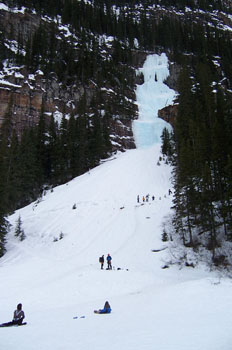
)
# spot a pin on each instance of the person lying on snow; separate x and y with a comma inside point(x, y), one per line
point(17, 318)
point(105, 310)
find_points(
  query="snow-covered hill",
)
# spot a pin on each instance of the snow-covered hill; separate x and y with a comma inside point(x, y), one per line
point(58, 279)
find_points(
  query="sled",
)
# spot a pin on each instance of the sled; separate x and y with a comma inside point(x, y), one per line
point(102, 313)
point(13, 325)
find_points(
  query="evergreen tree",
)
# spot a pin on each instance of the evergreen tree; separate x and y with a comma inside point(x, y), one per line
point(44, 165)
point(29, 171)
point(13, 180)
point(72, 147)
point(63, 151)
point(3, 231)
point(167, 147)
point(6, 131)
point(53, 151)
point(19, 231)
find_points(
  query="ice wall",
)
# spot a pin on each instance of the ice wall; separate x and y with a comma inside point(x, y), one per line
point(152, 96)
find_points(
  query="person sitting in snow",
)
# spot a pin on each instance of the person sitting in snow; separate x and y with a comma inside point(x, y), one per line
point(109, 267)
point(17, 318)
point(105, 310)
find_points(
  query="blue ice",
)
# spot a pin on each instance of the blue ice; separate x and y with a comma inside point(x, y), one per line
point(152, 96)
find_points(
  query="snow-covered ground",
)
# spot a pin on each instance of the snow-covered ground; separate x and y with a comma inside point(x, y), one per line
point(58, 279)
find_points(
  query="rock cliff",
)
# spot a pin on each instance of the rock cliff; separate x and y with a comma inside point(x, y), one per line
point(25, 93)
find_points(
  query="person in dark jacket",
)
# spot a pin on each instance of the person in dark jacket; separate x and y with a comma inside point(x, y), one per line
point(105, 310)
point(101, 260)
point(17, 318)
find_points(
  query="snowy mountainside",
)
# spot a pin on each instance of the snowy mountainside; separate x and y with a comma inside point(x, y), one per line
point(58, 279)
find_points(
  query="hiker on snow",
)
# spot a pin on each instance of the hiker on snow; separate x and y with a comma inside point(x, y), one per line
point(109, 267)
point(17, 318)
point(101, 260)
point(105, 310)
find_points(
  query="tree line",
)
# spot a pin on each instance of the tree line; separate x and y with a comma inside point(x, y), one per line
point(46, 155)
point(200, 150)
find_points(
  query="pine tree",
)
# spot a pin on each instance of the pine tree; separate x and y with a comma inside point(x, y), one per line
point(28, 168)
point(167, 147)
point(19, 231)
point(53, 151)
point(72, 146)
point(43, 149)
point(5, 159)
point(4, 225)
point(62, 150)
point(12, 180)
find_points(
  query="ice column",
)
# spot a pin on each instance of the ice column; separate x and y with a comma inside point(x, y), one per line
point(152, 96)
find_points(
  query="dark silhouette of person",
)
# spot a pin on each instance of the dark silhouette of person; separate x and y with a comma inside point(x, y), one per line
point(101, 260)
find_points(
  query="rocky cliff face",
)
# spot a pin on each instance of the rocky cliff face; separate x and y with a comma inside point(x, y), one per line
point(169, 114)
point(25, 94)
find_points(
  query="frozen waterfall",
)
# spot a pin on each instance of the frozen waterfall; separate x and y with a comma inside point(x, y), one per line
point(152, 96)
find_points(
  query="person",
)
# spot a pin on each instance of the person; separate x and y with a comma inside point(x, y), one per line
point(101, 260)
point(138, 198)
point(169, 192)
point(18, 317)
point(109, 267)
point(105, 310)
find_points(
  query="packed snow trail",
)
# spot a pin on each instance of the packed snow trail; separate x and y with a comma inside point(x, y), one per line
point(58, 279)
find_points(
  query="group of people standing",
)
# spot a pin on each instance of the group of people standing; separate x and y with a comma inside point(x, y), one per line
point(145, 198)
point(108, 260)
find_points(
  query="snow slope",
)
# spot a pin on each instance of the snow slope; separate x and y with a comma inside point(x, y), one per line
point(152, 308)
